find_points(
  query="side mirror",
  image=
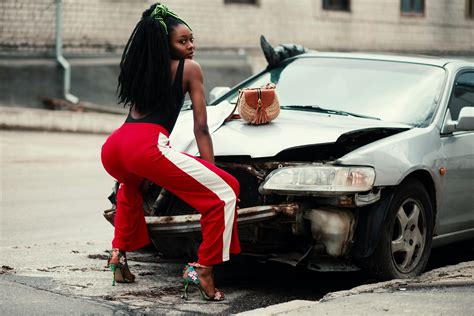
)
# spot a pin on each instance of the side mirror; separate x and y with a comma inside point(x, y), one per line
point(465, 121)
point(217, 92)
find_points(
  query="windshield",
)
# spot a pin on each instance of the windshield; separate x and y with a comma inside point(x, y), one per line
point(390, 91)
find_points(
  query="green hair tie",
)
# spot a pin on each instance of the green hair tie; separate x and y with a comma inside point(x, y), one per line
point(161, 12)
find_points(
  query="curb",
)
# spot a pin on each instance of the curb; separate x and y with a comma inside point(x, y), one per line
point(288, 307)
point(446, 278)
point(58, 121)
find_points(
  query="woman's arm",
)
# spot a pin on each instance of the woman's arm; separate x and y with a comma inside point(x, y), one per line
point(195, 87)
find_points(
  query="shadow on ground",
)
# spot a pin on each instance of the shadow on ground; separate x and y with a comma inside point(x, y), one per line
point(264, 284)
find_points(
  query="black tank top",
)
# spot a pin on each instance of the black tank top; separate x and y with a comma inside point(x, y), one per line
point(167, 119)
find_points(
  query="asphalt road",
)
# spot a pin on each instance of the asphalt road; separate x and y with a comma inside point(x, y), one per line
point(53, 240)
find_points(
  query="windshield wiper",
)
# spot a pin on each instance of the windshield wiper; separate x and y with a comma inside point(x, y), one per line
point(317, 108)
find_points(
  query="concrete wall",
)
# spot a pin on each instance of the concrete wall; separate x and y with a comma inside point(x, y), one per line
point(25, 82)
point(102, 26)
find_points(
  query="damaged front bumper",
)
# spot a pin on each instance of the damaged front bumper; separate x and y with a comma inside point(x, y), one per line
point(314, 230)
point(292, 233)
point(182, 224)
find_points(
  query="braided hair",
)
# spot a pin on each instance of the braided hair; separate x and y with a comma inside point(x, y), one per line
point(145, 78)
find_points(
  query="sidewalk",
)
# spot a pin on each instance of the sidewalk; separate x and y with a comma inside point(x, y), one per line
point(444, 291)
point(59, 121)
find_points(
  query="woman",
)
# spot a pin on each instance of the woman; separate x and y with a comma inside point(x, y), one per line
point(156, 71)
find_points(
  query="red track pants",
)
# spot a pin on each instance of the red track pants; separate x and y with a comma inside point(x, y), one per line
point(137, 151)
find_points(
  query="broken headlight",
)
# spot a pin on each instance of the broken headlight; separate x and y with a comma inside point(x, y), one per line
point(323, 179)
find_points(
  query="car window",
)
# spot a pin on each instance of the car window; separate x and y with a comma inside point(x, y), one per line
point(462, 95)
point(393, 91)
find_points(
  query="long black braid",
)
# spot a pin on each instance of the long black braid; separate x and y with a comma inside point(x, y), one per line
point(145, 79)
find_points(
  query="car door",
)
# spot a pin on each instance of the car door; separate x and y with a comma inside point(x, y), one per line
point(456, 212)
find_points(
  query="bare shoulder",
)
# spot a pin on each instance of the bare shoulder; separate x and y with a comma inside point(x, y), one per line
point(192, 68)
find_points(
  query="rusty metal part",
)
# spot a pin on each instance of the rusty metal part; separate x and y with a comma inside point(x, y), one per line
point(189, 223)
point(289, 209)
point(333, 228)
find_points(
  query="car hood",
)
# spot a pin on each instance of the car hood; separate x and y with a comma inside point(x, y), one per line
point(292, 128)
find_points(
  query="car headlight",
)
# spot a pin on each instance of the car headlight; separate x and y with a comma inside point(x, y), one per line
point(323, 179)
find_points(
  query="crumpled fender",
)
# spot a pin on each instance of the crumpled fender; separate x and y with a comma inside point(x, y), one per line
point(369, 226)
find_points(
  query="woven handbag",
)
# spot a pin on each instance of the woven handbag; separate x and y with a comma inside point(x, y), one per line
point(258, 106)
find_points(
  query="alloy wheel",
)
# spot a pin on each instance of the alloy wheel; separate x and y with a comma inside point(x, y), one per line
point(408, 235)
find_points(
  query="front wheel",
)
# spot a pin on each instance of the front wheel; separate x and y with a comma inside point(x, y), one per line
point(405, 243)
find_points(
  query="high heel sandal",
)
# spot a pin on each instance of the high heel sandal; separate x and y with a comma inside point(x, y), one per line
point(118, 264)
point(190, 276)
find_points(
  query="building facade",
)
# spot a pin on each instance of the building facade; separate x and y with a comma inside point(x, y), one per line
point(98, 27)
point(227, 33)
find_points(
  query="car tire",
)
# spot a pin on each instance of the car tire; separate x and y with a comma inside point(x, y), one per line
point(405, 242)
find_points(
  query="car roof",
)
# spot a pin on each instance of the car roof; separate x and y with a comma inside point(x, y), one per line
point(417, 59)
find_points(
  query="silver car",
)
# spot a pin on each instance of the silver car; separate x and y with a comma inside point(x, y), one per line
point(369, 165)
